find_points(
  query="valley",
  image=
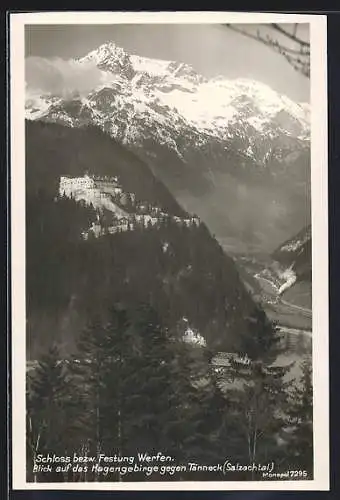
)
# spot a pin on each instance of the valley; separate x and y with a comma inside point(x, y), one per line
point(167, 256)
point(292, 308)
point(241, 168)
point(285, 301)
point(291, 311)
point(119, 197)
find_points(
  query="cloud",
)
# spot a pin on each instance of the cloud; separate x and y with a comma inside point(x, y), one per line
point(61, 77)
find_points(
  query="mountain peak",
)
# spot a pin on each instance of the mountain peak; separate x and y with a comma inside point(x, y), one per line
point(109, 48)
point(135, 97)
point(111, 58)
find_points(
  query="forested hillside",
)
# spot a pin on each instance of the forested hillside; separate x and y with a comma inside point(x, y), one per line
point(54, 150)
point(114, 368)
point(181, 271)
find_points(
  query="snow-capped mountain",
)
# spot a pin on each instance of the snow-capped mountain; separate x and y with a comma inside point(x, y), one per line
point(194, 132)
point(136, 92)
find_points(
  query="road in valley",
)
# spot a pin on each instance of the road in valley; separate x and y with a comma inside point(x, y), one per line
point(304, 310)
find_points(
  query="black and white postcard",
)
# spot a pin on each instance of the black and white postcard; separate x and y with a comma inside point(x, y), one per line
point(169, 251)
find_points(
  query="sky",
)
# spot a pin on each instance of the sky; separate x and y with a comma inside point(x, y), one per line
point(213, 50)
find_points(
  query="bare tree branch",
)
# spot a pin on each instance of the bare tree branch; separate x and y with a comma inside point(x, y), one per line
point(293, 37)
point(297, 56)
point(247, 34)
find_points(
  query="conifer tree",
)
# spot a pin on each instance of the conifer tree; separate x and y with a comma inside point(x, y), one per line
point(89, 368)
point(148, 385)
point(102, 367)
point(154, 395)
point(300, 421)
point(204, 437)
point(122, 349)
point(50, 408)
point(258, 404)
point(261, 341)
point(191, 404)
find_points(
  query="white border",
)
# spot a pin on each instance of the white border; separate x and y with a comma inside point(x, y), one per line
point(319, 245)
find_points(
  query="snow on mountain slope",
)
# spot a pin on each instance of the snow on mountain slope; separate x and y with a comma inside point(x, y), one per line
point(228, 99)
point(290, 278)
point(296, 254)
point(140, 98)
point(155, 67)
point(38, 105)
point(297, 242)
point(228, 149)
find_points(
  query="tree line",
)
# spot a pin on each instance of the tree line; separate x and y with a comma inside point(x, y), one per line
point(181, 271)
point(134, 386)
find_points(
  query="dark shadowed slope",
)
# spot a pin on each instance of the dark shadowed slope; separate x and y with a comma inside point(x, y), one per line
point(180, 269)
